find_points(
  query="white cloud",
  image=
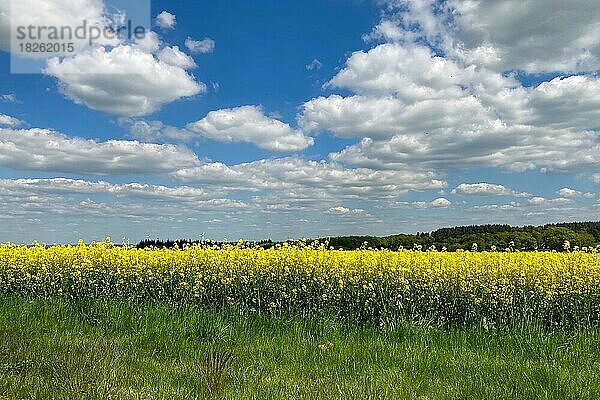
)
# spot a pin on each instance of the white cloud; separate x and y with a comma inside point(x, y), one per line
point(149, 43)
point(250, 124)
point(242, 124)
point(204, 46)
point(568, 192)
point(287, 188)
point(166, 20)
point(124, 80)
point(70, 13)
point(83, 204)
point(537, 200)
point(174, 56)
point(596, 178)
point(412, 107)
point(566, 102)
point(150, 131)
point(314, 65)
point(9, 98)
point(45, 150)
point(310, 180)
point(502, 35)
point(541, 201)
point(80, 186)
point(572, 193)
point(514, 149)
point(386, 30)
point(409, 72)
point(537, 208)
point(385, 117)
point(339, 210)
point(502, 207)
point(7, 120)
point(525, 36)
point(486, 189)
point(195, 198)
point(441, 203)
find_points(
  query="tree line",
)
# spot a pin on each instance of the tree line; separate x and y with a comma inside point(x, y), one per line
point(484, 237)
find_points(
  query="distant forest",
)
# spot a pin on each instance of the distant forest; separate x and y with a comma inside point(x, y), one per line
point(547, 237)
point(486, 237)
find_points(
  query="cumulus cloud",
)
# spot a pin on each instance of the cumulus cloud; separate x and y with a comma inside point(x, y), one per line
point(486, 189)
point(341, 210)
point(166, 20)
point(386, 30)
point(45, 150)
point(571, 102)
point(149, 43)
point(80, 186)
point(310, 180)
point(514, 149)
point(504, 36)
point(384, 117)
point(412, 107)
point(537, 200)
point(524, 35)
point(541, 201)
point(572, 193)
point(537, 208)
point(441, 203)
point(174, 56)
point(411, 72)
point(151, 131)
point(250, 124)
point(242, 124)
point(7, 120)
point(568, 192)
point(81, 204)
point(124, 80)
point(204, 46)
point(513, 205)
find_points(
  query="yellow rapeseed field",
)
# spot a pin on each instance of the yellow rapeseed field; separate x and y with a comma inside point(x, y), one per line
point(368, 286)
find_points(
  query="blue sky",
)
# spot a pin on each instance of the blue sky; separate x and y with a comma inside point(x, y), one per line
point(261, 57)
point(275, 119)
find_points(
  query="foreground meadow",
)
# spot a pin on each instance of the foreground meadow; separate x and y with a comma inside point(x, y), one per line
point(96, 349)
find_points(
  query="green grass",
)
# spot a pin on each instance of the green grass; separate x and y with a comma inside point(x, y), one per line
point(55, 349)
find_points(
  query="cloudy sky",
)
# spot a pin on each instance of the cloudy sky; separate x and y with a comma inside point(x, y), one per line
point(271, 119)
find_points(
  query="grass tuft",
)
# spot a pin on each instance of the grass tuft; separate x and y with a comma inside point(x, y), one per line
point(215, 368)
